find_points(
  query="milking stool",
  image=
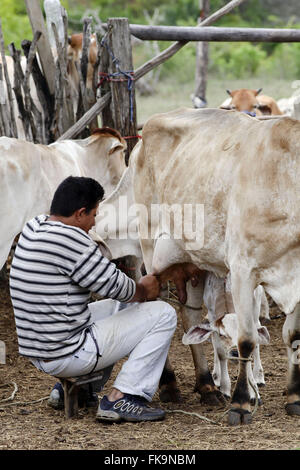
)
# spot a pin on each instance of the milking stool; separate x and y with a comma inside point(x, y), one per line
point(71, 386)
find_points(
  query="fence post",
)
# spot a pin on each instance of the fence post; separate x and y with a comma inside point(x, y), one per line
point(37, 24)
point(202, 53)
point(122, 112)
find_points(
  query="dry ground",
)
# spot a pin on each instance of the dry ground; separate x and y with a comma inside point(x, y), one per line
point(39, 427)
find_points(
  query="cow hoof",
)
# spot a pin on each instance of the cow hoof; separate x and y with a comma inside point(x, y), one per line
point(238, 416)
point(170, 395)
point(293, 409)
point(261, 384)
point(213, 398)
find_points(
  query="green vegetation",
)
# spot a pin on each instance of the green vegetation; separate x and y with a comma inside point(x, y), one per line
point(229, 62)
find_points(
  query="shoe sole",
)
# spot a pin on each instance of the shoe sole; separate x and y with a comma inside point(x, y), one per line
point(60, 405)
point(113, 417)
point(56, 405)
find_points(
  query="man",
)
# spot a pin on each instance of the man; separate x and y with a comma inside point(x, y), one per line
point(55, 268)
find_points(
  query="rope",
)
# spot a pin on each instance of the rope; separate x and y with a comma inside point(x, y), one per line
point(133, 137)
point(12, 396)
point(24, 402)
point(119, 76)
point(192, 414)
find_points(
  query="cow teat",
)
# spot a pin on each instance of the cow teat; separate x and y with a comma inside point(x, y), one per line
point(180, 274)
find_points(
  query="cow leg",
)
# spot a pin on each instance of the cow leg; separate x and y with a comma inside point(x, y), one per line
point(291, 337)
point(258, 372)
point(220, 372)
point(243, 297)
point(204, 381)
point(168, 389)
point(253, 389)
point(217, 362)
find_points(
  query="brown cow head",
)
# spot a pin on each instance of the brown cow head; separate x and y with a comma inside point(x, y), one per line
point(246, 101)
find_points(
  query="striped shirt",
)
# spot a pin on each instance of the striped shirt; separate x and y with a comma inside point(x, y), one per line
point(54, 270)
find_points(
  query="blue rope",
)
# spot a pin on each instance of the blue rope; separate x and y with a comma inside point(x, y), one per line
point(120, 72)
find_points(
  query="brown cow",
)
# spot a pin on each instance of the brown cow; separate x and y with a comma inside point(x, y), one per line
point(247, 101)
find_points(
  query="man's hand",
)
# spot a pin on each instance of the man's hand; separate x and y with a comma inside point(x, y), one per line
point(148, 288)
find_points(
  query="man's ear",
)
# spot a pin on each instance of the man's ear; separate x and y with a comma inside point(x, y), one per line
point(80, 212)
point(197, 334)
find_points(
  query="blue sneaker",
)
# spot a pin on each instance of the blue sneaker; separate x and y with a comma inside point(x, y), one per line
point(129, 408)
point(86, 397)
point(56, 398)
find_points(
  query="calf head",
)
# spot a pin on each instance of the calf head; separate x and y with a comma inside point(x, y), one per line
point(245, 100)
point(227, 330)
point(116, 147)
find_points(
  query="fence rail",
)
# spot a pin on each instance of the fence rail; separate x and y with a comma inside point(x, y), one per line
point(213, 34)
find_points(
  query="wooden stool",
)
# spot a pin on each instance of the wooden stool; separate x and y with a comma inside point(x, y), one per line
point(71, 386)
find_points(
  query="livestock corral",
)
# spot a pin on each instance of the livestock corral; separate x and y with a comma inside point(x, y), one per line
point(36, 426)
point(27, 420)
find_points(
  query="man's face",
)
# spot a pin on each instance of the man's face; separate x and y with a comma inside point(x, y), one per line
point(87, 220)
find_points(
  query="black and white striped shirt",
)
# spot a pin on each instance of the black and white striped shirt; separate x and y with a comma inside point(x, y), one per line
point(54, 270)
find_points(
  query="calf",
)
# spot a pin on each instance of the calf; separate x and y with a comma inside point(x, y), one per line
point(222, 328)
point(248, 101)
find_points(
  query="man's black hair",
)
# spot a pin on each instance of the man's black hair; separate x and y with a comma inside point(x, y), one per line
point(76, 192)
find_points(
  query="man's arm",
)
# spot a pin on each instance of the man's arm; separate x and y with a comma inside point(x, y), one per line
point(148, 288)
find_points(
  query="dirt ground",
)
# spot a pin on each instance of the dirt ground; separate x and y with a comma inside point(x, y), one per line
point(36, 426)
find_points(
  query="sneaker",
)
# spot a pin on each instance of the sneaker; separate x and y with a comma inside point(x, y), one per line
point(128, 408)
point(56, 398)
point(86, 397)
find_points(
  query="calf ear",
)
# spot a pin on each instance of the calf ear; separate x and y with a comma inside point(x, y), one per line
point(197, 334)
point(263, 335)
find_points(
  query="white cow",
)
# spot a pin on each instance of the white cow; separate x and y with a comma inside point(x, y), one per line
point(223, 330)
point(246, 175)
point(116, 225)
point(30, 173)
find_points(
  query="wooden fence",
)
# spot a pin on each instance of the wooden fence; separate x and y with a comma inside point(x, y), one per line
point(58, 117)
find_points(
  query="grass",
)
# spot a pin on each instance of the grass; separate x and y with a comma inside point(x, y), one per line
point(171, 94)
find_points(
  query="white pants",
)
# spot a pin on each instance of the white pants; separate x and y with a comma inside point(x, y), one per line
point(141, 331)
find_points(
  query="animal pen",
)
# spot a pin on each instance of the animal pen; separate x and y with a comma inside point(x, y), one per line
point(63, 115)
point(113, 94)
point(114, 77)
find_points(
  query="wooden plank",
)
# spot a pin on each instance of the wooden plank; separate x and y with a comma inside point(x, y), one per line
point(213, 34)
point(37, 24)
point(123, 106)
point(86, 118)
point(202, 56)
point(13, 131)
